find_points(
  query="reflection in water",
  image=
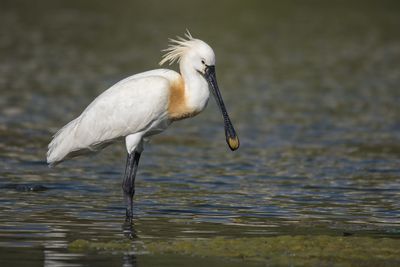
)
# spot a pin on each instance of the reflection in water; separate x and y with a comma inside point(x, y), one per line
point(130, 261)
point(54, 245)
point(314, 99)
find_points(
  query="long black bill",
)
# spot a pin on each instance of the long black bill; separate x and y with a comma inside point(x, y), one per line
point(230, 134)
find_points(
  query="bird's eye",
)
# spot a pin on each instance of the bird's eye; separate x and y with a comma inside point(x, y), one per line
point(203, 62)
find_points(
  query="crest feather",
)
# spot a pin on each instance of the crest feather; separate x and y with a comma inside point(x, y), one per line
point(177, 48)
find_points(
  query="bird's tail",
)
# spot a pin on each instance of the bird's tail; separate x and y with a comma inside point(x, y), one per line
point(63, 143)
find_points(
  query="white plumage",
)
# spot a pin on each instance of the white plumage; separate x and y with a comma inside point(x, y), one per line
point(145, 104)
point(135, 105)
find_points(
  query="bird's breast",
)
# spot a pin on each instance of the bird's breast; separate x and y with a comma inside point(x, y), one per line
point(178, 106)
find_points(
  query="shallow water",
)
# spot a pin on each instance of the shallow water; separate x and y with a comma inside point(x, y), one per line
point(312, 89)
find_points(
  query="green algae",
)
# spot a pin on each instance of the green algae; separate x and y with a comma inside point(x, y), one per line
point(276, 251)
point(290, 250)
point(85, 245)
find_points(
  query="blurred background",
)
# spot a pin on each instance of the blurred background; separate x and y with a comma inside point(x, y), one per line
point(312, 89)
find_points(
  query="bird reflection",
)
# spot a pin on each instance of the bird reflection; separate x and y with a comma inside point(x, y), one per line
point(129, 260)
point(128, 229)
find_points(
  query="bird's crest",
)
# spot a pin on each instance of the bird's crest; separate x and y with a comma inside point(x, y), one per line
point(177, 48)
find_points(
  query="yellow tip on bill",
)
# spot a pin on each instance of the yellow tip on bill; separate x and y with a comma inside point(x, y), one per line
point(233, 143)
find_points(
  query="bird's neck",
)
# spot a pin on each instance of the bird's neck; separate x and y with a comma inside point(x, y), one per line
point(196, 89)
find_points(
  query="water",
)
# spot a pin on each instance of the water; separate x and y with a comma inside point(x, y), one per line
point(312, 90)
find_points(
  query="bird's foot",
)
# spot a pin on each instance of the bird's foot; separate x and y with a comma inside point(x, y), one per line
point(128, 229)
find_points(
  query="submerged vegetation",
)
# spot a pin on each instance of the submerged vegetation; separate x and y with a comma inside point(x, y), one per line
point(85, 245)
point(280, 250)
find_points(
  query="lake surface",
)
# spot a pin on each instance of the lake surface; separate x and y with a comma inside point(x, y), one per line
point(313, 91)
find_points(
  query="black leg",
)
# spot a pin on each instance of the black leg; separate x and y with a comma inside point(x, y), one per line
point(128, 185)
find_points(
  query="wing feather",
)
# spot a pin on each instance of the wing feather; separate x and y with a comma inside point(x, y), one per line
point(128, 107)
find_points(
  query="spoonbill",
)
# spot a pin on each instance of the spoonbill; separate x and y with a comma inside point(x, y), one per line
point(143, 105)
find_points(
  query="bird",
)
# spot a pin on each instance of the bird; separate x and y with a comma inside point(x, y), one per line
point(143, 105)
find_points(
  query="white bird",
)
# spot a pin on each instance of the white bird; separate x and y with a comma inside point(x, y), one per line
point(143, 105)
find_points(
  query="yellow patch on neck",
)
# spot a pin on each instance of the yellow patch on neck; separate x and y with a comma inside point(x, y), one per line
point(177, 106)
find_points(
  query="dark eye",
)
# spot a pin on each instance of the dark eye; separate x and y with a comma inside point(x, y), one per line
point(203, 62)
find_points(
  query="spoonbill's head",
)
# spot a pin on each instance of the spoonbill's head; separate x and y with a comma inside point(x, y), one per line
point(198, 55)
point(191, 52)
